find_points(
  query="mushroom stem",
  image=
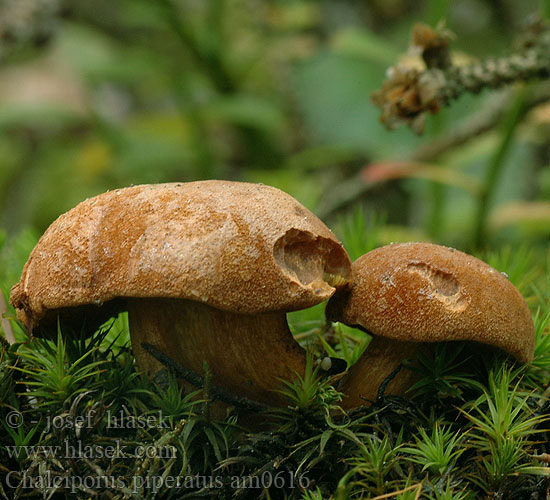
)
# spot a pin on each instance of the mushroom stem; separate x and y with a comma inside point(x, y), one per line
point(383, 355)
point(247, 354)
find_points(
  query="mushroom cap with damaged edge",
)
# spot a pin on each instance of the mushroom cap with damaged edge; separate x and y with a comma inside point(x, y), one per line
point(423, 292)
point(240, 247)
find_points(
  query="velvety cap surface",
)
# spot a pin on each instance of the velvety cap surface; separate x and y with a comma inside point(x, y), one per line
point(423, 292)
point(236, 246)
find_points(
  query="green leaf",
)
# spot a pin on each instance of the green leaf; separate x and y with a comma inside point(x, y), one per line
point(324, 440)
point(247, 110)
point(364, 44)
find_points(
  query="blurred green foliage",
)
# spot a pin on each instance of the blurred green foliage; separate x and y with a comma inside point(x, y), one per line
point(98, 95)
point(103, 94)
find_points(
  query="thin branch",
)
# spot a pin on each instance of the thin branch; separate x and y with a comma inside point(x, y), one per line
point(512, 118)
point(383, 386)
point(205, 59)
point(350, 190)
point(417, 487)
point(409, 94)
point(195, 379)
point(479, 123)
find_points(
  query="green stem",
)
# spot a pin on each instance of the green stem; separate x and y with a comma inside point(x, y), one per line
point(438, 10)
point(205, 160)
point(437, 190)
point(435, 221)
point(510, 122)
point(545, 9)
point(204, 56)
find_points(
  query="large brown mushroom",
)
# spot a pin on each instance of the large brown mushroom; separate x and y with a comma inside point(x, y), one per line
point(413, 294)
point(207, 271)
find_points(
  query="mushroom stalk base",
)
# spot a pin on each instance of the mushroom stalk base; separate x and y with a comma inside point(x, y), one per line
point(381, 358)
point(246, 354)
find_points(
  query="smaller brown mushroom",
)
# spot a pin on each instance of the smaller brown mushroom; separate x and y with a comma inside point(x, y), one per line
point(413, 294)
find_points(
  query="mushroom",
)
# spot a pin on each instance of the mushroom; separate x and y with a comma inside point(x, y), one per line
point(412, 294)
point(207, 271)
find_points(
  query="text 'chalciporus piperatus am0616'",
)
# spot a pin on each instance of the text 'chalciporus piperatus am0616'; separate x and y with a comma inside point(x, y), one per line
point(207, 271)
point(411, 295)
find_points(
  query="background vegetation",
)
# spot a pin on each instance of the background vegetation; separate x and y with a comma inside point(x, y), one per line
point(94, 97)
point(99, 95)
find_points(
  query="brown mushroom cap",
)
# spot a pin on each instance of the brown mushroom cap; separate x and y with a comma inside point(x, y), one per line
point(422, 292)
point(240, 247)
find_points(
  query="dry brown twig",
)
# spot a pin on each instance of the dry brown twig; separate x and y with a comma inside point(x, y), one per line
point(408, 93)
